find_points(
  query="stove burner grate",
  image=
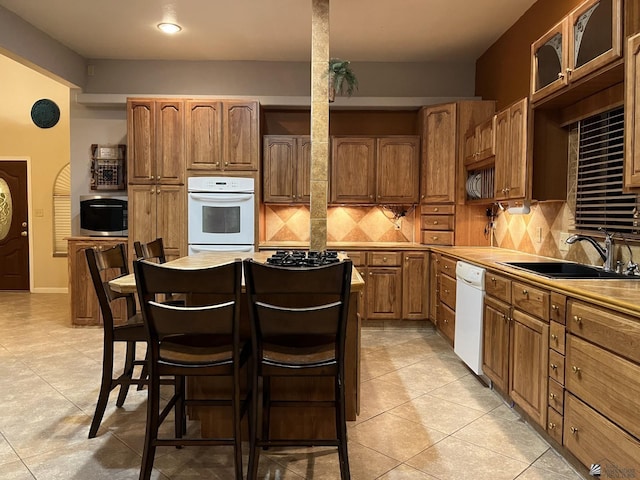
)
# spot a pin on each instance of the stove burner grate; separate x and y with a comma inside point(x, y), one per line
point(301, 258)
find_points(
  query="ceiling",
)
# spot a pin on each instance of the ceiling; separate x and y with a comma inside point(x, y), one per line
point(273, 30)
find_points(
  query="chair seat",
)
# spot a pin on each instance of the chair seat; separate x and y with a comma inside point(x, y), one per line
point(201, 350)
point(133, 330)
point(299, 357)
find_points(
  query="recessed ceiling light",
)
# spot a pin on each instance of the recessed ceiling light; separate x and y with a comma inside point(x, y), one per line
point(169, 27)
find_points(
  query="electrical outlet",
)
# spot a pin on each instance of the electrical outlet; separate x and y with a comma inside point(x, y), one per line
point(564, 246)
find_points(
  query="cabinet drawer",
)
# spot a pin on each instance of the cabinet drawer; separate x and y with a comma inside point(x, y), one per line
point(497, 286)
point(437, 222)
point(558, 307)
point(447, 321)
point(385, 259)
point(556, 337)
point(594, 439)
point(556, 366)
point(448, 291)
point(554, 425)
point(448, 266)
point(612, 330)
point(607, 382)
point(436, 237)
point(357, 258)
point(556, 396)
point(435, 209)
point(530, 299)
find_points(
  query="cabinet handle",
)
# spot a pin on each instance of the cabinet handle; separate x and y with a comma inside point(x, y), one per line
point(575, 369)
point(560, 75)
point(370, 273)
point(446, 321)
point(434, 238)
point(574, 430)
point(554, 307)
point(493, 279)
point(226, 164)
point(435, 209)
point(446, 291)
point(554, 366)
point(446, 267)
point(552, 425)
point(152, 191)
point(407, 259)
point(552, 396)
point(217, 164)
point(384, 259)
point(569, 71)
point(554, 337)
point(577, 319)
point(525, 292)
point(152, 177)
point(435, 222)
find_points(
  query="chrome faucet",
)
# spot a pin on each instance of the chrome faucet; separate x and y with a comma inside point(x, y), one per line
point(606, 253)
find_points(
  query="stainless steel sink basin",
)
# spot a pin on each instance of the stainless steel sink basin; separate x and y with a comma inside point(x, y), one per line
point(568, 270)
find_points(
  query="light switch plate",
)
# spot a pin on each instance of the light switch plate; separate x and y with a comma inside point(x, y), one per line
point(564, 246)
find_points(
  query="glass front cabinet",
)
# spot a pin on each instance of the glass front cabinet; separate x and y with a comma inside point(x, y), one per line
point(589, 38)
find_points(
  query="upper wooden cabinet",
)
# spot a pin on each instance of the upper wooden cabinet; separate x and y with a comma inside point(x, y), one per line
point(511, 160)
point(155, 141)
point(374, 169)
point(287, 168)
point(632, 111)
point(222, 135)
point(438, 179)
point(479, 145)
point(589, 38)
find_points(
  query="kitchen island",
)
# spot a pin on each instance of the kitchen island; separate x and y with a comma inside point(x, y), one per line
point(294, 423)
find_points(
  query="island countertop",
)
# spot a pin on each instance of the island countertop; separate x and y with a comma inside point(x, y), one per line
point(127, 284)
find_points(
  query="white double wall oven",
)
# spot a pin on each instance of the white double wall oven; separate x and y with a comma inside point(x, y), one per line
point(221, 214)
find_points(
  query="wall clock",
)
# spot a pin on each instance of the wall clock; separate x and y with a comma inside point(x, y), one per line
point(45, 113)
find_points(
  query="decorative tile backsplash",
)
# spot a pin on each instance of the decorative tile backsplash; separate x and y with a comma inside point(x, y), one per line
point(344, 224)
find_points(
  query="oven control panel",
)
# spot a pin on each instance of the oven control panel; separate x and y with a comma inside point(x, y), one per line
point(221, 184)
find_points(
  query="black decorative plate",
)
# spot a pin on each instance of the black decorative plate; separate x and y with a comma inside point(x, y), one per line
point(45, 113)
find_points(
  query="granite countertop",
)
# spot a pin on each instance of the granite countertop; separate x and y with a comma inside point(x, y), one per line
point(623, 295)
point(347, 245)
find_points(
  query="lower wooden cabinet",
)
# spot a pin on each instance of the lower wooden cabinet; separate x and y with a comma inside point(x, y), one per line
point(85, 309)
point(495, 351)
point(415, 285)
point(384, 293)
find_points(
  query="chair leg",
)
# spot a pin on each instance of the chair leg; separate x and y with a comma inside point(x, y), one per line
point(106, 385)
point(144, 374)
point(151, 435)
point(254, 451)
point(179, 410)
point(128, 373)
point(341, 430)
point(266, 408)
point(237, 430)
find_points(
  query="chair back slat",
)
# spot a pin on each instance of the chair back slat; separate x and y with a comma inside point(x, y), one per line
point(150, 251)
point(171, 320)
point(322, 320)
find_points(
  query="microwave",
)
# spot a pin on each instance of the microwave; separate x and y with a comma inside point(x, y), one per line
point(104, 216)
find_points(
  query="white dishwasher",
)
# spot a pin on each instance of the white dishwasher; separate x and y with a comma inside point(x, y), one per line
point(469, 309)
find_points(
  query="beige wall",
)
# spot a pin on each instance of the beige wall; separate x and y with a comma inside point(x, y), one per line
point(47, 151)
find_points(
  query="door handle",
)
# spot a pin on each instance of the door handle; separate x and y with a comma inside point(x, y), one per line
point(24, 233)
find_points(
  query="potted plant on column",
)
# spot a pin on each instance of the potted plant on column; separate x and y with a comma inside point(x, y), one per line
point(342, 80)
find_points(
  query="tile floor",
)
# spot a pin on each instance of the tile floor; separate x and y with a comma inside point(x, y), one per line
point(423, 415)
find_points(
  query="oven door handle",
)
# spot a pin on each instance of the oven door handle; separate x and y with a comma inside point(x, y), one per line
point(221, 197)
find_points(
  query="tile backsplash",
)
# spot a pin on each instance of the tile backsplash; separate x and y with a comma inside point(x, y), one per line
point(344, 224)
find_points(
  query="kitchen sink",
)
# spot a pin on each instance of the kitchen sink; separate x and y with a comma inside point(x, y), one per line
point(568, 270)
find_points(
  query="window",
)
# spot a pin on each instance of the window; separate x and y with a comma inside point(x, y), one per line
point(600, 201)
point(61, 211)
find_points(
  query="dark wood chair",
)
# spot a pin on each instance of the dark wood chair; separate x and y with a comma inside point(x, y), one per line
point(298, 327)
point(105, 265)
point(153, 250)
point(201, 338)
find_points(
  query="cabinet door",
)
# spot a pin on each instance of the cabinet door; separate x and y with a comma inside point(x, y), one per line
point(203, 134)
point(549, 61)
point(241, 143)
point(517, 170)
point(439, 154)
point(485, 143)
point(353, 170)
point(142, 215)
point(170, 219)
point(141, 146)
point(397, 169)
point(170, 142)
point(596, 36)
point(279, 169)
point(84, 302)
point(434, 287)
point(632, 114)
point(529, 350)
point(415, 286)
point(495, 350)
point(503, 142)
point(303, 169)
point(384, 293)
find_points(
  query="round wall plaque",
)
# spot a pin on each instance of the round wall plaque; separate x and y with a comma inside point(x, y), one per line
point(45, 113)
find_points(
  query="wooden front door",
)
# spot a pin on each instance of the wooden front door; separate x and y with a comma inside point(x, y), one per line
point(14, 240)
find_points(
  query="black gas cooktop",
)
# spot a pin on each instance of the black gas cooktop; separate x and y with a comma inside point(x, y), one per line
point(303, 258)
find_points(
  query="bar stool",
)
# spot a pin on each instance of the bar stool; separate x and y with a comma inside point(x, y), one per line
point(298, 327)
point(153, 250)
point(191, 340)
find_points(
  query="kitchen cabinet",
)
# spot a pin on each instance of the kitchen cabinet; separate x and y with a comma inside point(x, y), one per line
point(155, 141)
point(479, 144)
point(439, 154)
point(222, 135)
point(495, 340)
point(85, 309)
point(512, 164)
point(415, 284)
point(286, 168)
point(384, 285)
point(434, 286)
point(374, 169)
point(159, 211)
point(587, 39)
point(632, 114)
point(446, 314)
point(437, 224)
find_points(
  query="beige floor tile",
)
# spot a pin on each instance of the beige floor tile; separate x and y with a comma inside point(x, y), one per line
point(15, 471)
point(437, 414)
point(405, 472)
point(378, 396)
point(533, 473)
point(454, 459)
point(551, 461)
point(505, 412)
point(394, 436)
point(7, 454)
point(470, 392)
point(513, 439)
